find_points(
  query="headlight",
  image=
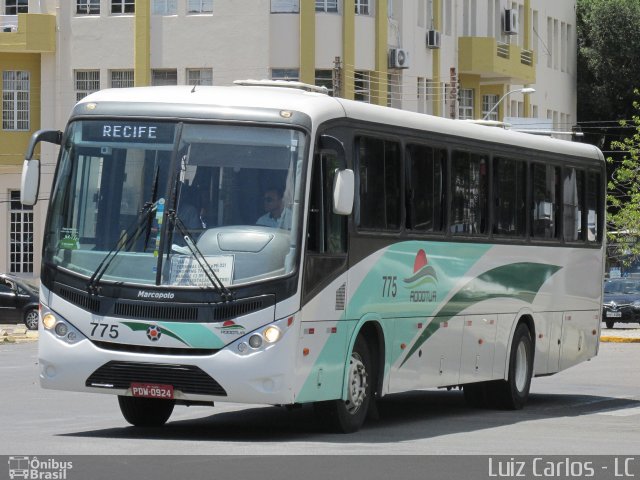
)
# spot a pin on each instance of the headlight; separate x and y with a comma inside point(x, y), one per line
point(61, 329)
point(636, 305)
point(255, 341)
point(48, 320)
point(272, 334)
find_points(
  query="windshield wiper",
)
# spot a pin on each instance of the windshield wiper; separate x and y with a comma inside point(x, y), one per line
point(220, 287)
point(127, 239)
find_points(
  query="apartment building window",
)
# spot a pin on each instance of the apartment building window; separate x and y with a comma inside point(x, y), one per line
point(123, 6)
point(15, 100)
point(465, 109)
point(327, 6)
point(362, 86)
point(20, 235)
point(292, 74)
point(285, 6)
point(488, 102)
point(363, 7)
point(88, 7)
point(164, 7)
point(200, 6)
point(121, 78)
point(87, 81)
point(164, 77)
point(199, 76)
point(324, 78)
point(14, 7)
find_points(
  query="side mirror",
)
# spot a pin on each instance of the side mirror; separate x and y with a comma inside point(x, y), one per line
point(31, 168)
point(343, 192)
point(30, 182)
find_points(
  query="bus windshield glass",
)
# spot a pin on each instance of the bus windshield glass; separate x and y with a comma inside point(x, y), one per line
point(147, 202)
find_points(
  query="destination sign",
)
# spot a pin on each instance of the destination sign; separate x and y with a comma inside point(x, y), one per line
point(137, 132)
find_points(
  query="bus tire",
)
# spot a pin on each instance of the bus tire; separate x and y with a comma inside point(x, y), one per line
point(145, 412)
point(512, 394)
point(347, 416)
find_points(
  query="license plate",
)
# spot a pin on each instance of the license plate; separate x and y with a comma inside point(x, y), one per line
point(152, 390)
point(614, 314)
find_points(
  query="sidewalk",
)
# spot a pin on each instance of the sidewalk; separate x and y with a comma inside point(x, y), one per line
point(17, 334)
point(624, 333)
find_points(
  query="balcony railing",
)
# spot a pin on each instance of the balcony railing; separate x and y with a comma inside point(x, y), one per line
point(502, 49)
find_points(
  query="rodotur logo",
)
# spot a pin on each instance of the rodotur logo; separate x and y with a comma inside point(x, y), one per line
point(156, 295)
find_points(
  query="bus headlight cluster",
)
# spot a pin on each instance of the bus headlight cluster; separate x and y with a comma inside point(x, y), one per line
point(269, 335)
point(62, 329)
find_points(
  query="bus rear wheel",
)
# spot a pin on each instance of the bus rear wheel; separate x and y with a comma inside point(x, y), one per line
point(145, 412)
point(512, 394)
point(347, 416)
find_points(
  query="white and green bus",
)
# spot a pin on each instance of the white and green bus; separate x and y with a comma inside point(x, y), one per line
point(262, 244)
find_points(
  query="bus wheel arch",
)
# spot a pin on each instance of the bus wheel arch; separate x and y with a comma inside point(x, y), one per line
point(363, 375)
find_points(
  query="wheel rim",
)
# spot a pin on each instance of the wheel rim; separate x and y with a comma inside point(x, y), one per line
point(521, 367)
point(357, 390)
point(31, 320)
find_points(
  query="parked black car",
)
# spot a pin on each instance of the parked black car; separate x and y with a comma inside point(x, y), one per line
point(621, 302)
point(18, 301)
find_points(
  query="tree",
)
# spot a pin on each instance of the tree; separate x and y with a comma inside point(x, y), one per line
point(624, 193)
point(608, 58)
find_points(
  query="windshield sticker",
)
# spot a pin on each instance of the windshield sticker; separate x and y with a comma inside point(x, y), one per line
point(159, 216)
point(185, 270)
point(70, 239)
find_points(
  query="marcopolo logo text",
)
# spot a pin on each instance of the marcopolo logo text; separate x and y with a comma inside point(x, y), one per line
point(156, 295)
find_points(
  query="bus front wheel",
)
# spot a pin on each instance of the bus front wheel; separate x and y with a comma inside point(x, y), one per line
point(145, 412)
point(512, 393)
point(347, 416)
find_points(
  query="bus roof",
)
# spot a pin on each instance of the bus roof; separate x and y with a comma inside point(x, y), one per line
point(320, 107)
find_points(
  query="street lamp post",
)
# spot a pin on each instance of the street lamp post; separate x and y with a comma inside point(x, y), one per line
point(525, 90)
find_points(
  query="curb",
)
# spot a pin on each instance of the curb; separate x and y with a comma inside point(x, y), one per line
point(620, 339)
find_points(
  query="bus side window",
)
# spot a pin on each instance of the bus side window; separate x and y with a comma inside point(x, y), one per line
point(380, 174)
point(510, 194)
point(573, 205)
point(469, 193)
point(425, 212)
point(545, 189)
point(594, 214)
point(327, 230)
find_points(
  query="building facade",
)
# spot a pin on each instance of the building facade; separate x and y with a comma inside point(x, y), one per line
point(464, 59)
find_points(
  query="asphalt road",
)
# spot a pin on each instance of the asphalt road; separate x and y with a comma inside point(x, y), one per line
point(593, 408)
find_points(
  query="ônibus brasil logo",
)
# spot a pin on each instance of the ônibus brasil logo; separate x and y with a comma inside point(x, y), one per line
point(231, 328)
point(423, 275)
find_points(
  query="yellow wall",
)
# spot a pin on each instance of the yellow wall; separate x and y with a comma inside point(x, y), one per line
point(348, 48)
point(308, 42)
point(142, 47)
point(437, 25)
point(13, 144)
point(379, 77)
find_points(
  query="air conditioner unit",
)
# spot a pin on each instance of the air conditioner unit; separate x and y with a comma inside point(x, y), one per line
point(398, 58)
point(433, 39)
point(511, 21)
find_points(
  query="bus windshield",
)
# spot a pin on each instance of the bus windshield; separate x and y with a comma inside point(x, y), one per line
point(155, 193)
